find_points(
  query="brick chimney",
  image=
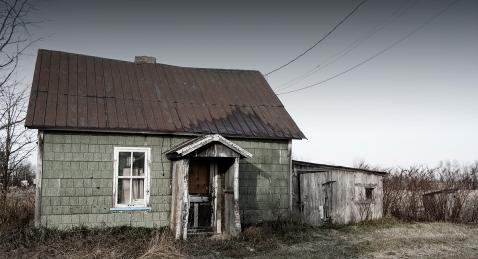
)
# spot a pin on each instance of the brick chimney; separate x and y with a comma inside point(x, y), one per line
point(144, 59)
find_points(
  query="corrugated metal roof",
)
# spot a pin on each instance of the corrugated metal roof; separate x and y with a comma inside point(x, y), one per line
point(79, 92)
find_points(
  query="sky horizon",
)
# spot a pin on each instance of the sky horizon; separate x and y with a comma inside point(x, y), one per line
point(416, 103)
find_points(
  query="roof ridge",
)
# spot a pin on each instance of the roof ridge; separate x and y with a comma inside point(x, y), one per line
point(160, 64)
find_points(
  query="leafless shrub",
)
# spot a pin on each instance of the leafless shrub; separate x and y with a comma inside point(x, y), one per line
point(434, 194)
point(364, 206)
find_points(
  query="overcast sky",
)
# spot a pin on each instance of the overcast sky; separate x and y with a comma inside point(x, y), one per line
point(417, 103)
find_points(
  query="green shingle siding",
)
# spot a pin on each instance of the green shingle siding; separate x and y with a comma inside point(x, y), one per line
point(78, 171)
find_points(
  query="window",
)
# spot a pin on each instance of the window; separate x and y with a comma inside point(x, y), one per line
point(131, 177)
point(369, 193)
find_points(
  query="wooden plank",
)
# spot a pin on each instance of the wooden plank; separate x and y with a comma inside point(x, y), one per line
point(174, 199)
point(196, 215)
point(199, 177)
point(185, 198)
point(180, 198)
point(289, 183)
point(236, 212)
point(38, 180)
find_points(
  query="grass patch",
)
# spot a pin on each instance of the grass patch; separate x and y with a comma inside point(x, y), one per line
point(282, 239)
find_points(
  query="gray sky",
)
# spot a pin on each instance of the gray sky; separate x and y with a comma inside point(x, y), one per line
point(415, 104)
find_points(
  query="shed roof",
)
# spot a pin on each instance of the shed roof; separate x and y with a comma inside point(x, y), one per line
point(324, 168)
point(85, 93)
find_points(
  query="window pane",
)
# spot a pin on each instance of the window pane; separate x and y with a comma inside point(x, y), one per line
point(124, 164)
point(138, 189)
point(138, 163)
point(123, 191)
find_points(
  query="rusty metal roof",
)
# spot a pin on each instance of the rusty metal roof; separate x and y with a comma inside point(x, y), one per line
point(78, 92)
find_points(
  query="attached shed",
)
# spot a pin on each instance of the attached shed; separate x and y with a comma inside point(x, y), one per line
point(148, 144)
point(336, 194)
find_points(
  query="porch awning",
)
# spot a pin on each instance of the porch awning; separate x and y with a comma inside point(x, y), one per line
point(205, 146)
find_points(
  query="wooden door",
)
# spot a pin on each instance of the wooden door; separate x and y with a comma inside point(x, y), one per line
point(200, 209)
point(310, 198)
point(328, 200)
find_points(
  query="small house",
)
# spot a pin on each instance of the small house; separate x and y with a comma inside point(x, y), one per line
point(148, 144)
point(336, 194)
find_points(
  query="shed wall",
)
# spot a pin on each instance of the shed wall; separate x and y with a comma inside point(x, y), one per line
point(77, 179)
point(349, 204)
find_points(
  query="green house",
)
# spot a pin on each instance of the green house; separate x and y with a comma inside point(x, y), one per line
point(148, 144)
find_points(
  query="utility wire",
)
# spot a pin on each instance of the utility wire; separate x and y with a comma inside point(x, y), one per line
point(322, 39)
point(428, 21)
point(396, 14)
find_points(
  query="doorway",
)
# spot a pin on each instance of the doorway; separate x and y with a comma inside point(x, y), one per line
point(200, 209)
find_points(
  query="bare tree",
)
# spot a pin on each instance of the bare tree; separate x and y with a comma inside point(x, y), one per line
point(15, 38)
point(15, 140)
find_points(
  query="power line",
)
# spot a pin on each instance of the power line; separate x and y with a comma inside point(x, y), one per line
point(428, 21)
point(396, 14)
point(322, 39)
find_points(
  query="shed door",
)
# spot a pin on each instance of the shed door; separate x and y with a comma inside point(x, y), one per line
point(328, 200)
point(310, 198)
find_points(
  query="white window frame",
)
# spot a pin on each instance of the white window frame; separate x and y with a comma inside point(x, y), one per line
point(147, 159)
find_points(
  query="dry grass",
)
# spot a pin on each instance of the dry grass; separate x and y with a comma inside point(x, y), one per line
point(385, 238)
point(17, 207)
point(375, 239)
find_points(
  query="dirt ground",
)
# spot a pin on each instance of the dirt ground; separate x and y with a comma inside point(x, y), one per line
point(382, 239)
